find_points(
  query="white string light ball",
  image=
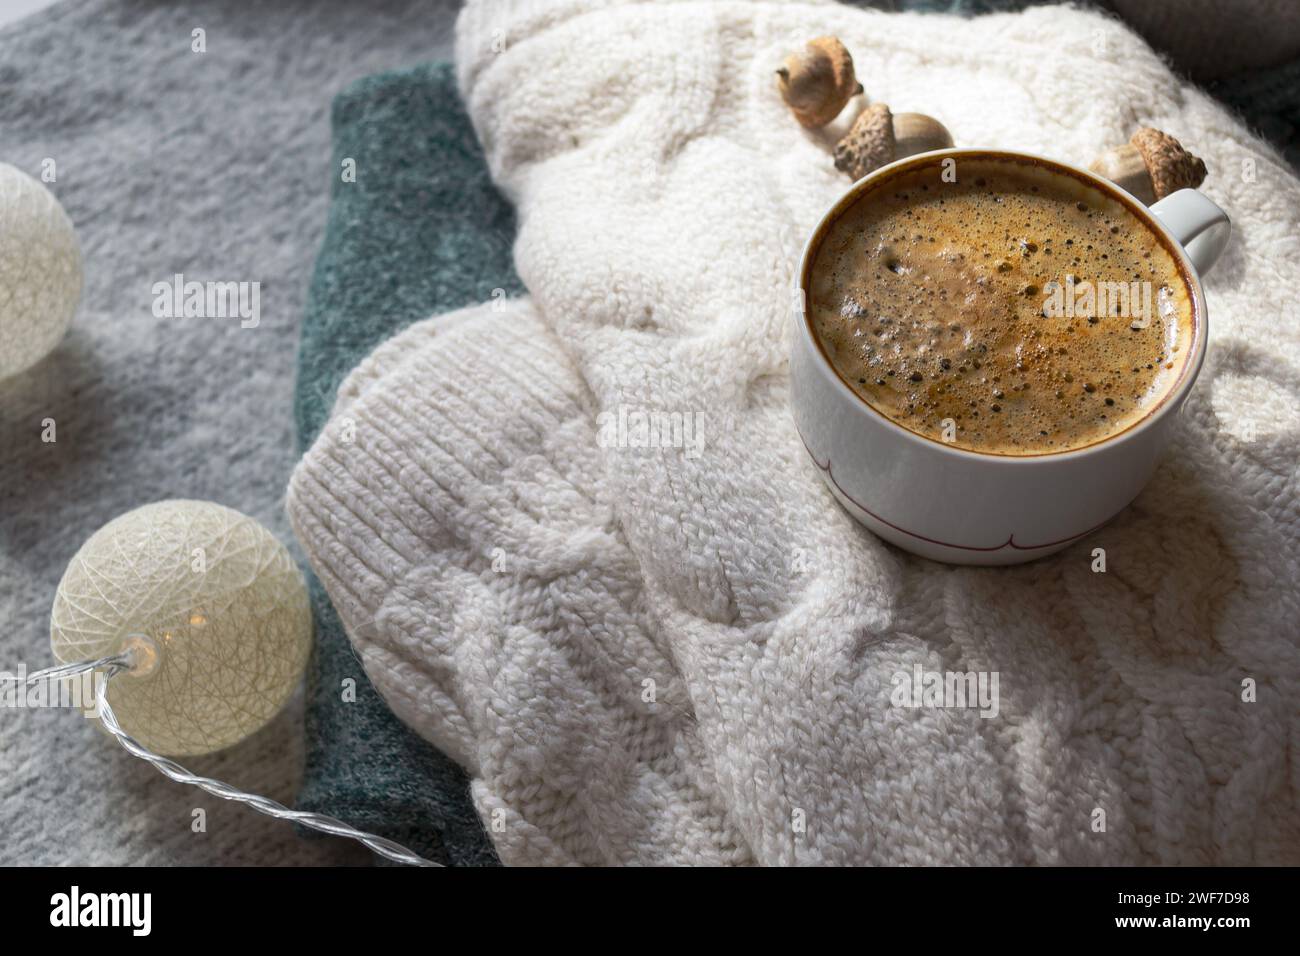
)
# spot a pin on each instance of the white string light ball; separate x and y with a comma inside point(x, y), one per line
point(40, 271)
point(214, 608)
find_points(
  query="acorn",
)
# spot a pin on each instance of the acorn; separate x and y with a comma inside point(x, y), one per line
point(1150, 166)
point(878, 137)
point(818, 82)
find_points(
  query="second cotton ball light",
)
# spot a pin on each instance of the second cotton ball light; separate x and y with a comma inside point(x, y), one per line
point(40, 271)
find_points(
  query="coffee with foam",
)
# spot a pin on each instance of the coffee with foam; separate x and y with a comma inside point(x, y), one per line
point(1013, 311)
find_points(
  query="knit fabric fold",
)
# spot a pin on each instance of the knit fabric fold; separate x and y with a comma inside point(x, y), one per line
point(681, 650)
point(535, 599)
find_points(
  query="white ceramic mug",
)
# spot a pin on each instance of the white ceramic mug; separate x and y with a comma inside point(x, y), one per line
point(969, 507)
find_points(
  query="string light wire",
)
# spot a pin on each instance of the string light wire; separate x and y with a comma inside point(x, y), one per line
point(173, 771)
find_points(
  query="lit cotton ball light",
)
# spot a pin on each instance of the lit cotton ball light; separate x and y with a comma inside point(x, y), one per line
point(40, 271)
point(218, 597)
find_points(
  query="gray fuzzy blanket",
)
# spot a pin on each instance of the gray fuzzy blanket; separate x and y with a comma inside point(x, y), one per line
point(215, 165)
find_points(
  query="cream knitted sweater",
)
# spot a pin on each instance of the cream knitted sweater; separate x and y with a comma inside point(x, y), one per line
point(690, 654)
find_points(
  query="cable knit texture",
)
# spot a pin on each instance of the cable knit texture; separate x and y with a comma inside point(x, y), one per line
point(665, 655)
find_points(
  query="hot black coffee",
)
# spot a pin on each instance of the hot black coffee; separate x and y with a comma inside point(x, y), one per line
point(1013, 311)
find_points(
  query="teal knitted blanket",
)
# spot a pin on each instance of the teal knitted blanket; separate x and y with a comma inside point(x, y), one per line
point(422, 231)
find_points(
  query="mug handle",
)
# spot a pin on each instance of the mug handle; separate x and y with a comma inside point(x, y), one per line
point(1200, 227)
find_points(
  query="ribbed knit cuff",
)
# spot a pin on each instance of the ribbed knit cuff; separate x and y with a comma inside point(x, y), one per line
point(415, 455)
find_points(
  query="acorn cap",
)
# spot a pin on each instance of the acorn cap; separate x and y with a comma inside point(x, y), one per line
point(817, 82)
point(1171, 167)
point(869, 144)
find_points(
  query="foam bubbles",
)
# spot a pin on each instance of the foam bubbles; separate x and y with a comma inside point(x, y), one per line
point(1035, 312)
